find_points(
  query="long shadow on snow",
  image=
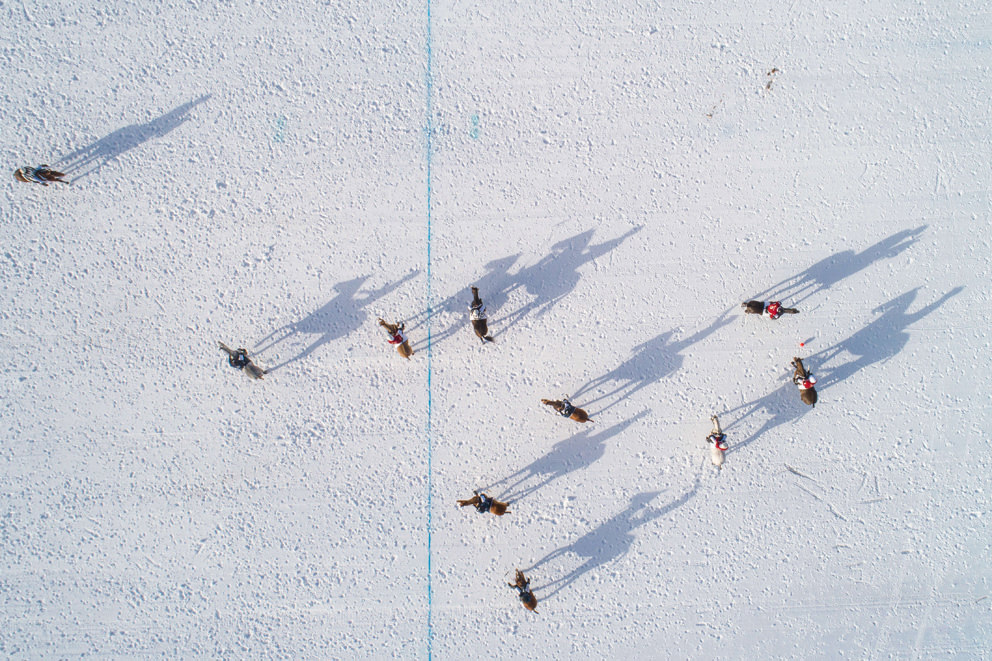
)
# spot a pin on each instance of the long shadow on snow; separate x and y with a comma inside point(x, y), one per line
point(343, 314)
point(548, 282)
point(880, 340)
point(781, 406)
point(611, 540)
point(649, 362)
point(93, 157)
point(828, 272)
point(575, 453)
point(556, 275)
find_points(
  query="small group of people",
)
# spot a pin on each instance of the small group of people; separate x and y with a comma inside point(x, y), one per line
point(802, 377)
point(484, 503)
point(716, 439)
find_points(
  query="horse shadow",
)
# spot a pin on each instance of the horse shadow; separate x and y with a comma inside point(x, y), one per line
point(611, 540)
point(93, 157)
point(879, 341)
point(343, 314)
point(556, 275)
point(572, 454)
point(828, 272)
point(649, 362)
point(782, 405)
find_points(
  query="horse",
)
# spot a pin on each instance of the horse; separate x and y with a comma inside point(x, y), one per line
point(805, 380)
point(239, 360)
point(718, 443)
point(38, 175)
point(398, 337)
point(566, 409)
point(484, 503)
point(522, 586)
point(477, 313)
point(773, 309)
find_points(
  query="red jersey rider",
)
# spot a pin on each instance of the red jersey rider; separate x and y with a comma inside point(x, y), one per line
point(717, 437)
point(807, 383)
point(398, 337)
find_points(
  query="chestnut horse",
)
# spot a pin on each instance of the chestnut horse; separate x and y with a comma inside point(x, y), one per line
point(398, 337)
point(522, 586)
point(39, 175)
point(483, 503)
point(566, 409)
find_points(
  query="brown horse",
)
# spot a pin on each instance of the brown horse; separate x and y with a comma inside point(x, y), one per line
point(398, 337)
point(239, 359)
point(39, 175)
point(483, 503)
point(805, 380)
point(522, 586)
point(773, 309)
point(477, 313)
point(566, 409)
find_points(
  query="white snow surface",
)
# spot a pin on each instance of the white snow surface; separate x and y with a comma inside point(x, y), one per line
point(616, 178)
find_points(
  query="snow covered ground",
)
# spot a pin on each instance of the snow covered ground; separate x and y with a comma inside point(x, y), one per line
point(616, 178)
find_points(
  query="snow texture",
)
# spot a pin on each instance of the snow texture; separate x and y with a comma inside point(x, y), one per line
point(616, 178)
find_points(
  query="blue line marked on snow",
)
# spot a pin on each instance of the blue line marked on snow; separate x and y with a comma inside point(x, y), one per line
point(430, 485)
point(280, 134)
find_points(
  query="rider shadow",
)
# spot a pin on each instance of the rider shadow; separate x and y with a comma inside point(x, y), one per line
point(879, 341)
point(572, 454)
point(556, 275)
point(451, 315)
point(782, 405)
point(611, 540)
point(650, 362)
point(828, 272)
point(340, 316)
point(93, 157)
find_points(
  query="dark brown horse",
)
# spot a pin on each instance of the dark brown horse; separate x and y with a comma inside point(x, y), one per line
point(805, 380)
point(773, 309)
point(566, 409)
point(477, 313)
point(239, 359)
